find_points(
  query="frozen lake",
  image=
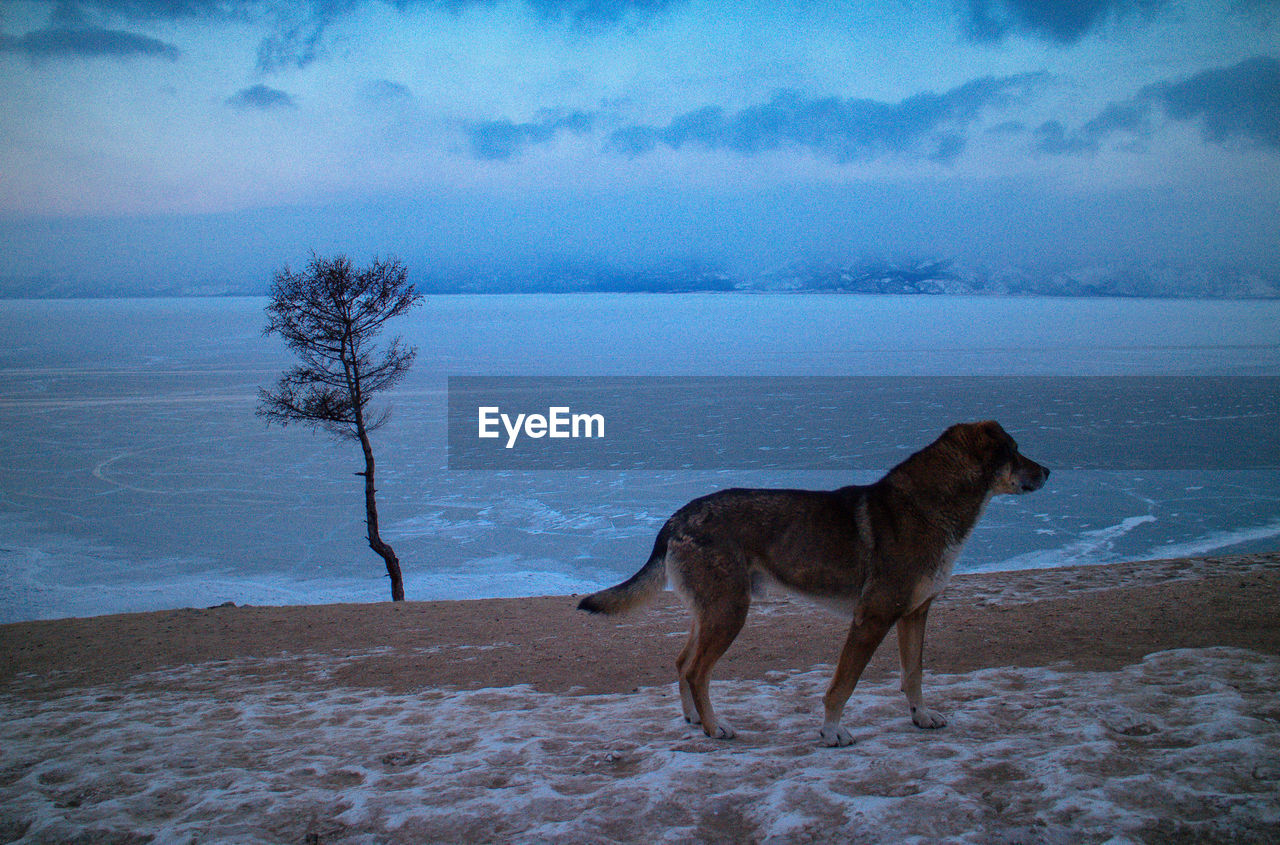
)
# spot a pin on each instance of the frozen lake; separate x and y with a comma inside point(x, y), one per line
point(136, 475)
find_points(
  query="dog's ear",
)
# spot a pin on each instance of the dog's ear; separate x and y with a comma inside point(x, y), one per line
point(1006, 448)
point(975, 436)
point(987, 442)
point(993, 431)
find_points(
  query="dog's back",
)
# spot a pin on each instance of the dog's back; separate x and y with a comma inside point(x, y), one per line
point(800, 539)
point(833, 545)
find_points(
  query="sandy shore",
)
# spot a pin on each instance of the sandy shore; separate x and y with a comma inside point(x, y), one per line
point(1135, 701)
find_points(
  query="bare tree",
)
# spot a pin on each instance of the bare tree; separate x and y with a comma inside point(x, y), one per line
point(330, 315)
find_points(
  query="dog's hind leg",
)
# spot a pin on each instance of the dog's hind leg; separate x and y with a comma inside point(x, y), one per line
point(686, 692)
point(865, 635)
point(713, 632)
point(911, 650)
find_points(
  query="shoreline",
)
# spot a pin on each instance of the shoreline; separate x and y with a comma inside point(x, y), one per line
point(1090, 616)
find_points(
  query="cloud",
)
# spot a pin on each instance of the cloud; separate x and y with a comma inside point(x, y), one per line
point(86, 42)
point(597, 11)
point(175, 9)
point(500, 140)
point(298, 27)
point(301, 24)
point(384, 92)
point(1052, 138)
point(260, 98)
point(167, 9)
point(1063, 21)
point(1236, 103)
point(1133, 116)
point(841, 129)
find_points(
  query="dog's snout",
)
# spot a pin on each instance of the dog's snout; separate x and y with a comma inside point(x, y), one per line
point(1033, 475)
point(1027, 475)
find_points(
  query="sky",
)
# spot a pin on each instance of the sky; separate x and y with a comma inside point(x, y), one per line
point(148, 141)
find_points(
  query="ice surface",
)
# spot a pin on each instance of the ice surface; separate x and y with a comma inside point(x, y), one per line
point(1184, 746)
point(1220, 539)
point(137, 477)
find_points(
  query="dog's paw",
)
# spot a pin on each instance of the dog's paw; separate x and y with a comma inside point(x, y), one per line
point(834, 736)
point(928, 719)
point(723, 731)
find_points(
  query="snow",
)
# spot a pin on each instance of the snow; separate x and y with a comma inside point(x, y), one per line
point(1185, 744)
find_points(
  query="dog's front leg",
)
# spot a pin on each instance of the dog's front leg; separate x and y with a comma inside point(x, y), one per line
point(911, 650)
point(865, 636)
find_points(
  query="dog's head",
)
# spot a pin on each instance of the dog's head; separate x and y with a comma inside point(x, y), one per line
point(991, 447)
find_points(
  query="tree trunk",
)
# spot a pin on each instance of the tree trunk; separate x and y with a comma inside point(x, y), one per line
point(371, 519)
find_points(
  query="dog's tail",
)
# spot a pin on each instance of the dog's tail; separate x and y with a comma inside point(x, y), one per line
point(637, 588)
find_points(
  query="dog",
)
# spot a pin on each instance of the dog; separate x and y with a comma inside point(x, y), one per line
point(879, 553)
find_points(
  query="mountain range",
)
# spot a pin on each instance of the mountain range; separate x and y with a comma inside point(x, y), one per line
point(928, 277)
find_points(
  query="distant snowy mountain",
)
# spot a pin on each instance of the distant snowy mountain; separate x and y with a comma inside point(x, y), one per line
point(950, 277)
point(585, 277)
point(931, 277)
point(50, 287)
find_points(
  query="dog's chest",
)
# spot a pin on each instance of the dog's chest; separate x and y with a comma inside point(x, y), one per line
point(931, 586)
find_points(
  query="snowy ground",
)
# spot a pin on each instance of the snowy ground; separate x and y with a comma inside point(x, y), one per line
point(1184, 746)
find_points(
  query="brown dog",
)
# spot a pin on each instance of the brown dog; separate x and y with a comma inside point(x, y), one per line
point(879, 553)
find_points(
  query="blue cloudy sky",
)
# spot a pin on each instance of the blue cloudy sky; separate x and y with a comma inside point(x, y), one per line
point(144, 140)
